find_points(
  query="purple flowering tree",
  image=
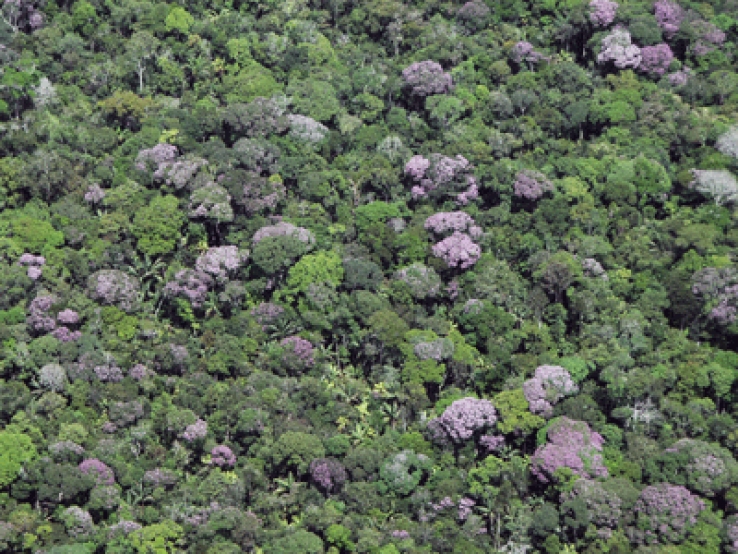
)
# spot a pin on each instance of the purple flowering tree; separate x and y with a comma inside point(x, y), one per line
point(284, 229)
point(706, 469)
point(297, 354)
point(157, 160)
point(221, 262)
point(182, 171)
point(655, 60)
point(441, 176)
point(190, 284)
point(709, 37)
point(618, 49)
point(196, 431)
point(94, 195)
point(458, 251)
point(525, 52)
point(328, 474)
point(112, 286)
point(267, 314)
point(34, 265)
point(222, 456)
point(473, 15)
point(680, 78)
point(531, 185)
point(108, 372)
point(443, 222)
point(550, 384)
point(669, 16)
point(139, 372)
point(38, 318)
point(64, 334)
point(255, 193)
point(40, 321)
point(664, 514)
point(427, 78)
point(602, 12)
point(78, 522)
point(718, 288)
point(492, 443)
point(102, 473)
point(68, 318)
point(571, 445)
point(21, 15)
point(462, 420)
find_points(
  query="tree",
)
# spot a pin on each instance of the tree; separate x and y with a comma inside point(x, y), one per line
point(157, 226)
point(273, 255)
point(727, 143)
point(602, 12)
point(401, 474)
point(157, 538)
point(84, 18)
point(321, 267)
point(427, 78)
point(462, 420)
point(299, 542)
point(719, 184)
point(515, 415)
point(664, 514)
point(618, 49)
point(141, 49)
point(294, 451)
point(21, 15)
point(571, 447)
point(549, 385)
point(704, 468)
point(211, 203)
point(16, 449)
point(179, 20)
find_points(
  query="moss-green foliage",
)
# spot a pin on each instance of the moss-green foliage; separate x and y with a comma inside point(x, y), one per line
point(29, 234)
point(299, 542)
point(157, 226)
point(514, 413)
point(294, 451)
point(16, 449)
point(321, 267)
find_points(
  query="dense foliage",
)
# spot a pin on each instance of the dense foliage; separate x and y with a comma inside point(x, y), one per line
point(329, 276)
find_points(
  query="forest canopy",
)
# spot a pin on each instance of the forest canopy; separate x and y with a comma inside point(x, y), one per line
point(329, 276)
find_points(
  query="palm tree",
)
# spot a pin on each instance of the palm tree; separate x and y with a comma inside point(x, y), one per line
point(150, 272)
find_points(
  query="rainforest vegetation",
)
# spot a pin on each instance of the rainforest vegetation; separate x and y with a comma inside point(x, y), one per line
point(382, 277)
